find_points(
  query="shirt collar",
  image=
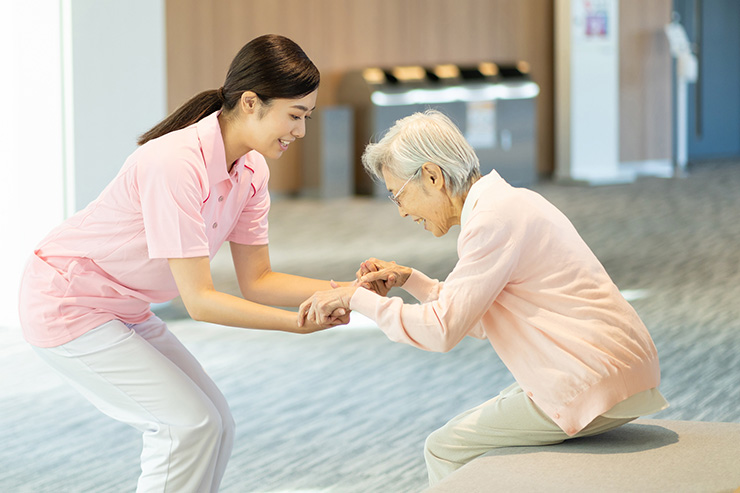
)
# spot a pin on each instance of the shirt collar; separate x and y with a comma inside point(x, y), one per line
point(212, 147)
point(474, 194)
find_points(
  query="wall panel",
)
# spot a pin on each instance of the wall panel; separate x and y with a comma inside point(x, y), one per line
point(340, 35)
point(644, 81)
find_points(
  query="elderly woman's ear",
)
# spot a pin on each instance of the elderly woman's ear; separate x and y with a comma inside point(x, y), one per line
point(432, 174)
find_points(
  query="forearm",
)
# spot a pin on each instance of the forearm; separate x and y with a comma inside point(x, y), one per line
point(224, 309)
point(424, 325)
point(259, 283)
point(278, 289)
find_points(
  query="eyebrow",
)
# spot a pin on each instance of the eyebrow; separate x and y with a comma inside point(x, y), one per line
point(302, 108)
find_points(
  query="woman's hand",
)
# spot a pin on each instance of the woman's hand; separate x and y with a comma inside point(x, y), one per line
point(339, 316)
point(324, 307)
point(380, 276)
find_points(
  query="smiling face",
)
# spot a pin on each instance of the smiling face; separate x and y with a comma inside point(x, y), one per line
point(270, 128)
point(425, 199)
point(284, 121)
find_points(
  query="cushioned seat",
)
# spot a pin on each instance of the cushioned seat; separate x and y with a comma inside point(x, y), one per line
point(642, 456)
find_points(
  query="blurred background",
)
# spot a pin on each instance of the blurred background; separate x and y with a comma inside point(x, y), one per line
point(624, 113)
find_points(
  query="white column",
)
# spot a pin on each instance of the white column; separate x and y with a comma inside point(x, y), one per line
point(81, 79)
point(31, 136)
point(587, 91)
point(687, 70)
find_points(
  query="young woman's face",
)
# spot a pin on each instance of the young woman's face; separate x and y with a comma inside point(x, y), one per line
point(271, 129)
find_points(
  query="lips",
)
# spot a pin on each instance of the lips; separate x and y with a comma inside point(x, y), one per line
point(284, 143)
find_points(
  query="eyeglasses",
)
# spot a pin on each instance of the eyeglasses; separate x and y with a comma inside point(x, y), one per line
point(394, 198)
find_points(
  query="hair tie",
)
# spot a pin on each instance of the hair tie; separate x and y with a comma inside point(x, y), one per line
point(220, 94)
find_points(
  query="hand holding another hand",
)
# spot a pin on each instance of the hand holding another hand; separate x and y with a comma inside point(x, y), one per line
point(326, 307)
point(338, 317)
point(380, 276)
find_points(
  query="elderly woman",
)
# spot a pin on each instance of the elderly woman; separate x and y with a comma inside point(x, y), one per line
point(582, 359)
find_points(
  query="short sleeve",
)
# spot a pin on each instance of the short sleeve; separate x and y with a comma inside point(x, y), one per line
point(172, 191)
point(252, 225)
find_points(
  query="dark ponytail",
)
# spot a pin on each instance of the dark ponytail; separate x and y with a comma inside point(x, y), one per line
point(271, 66)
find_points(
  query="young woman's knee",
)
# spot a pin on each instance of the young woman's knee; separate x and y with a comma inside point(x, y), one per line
point(205, 427)
point(220, 423)
point(228, 427)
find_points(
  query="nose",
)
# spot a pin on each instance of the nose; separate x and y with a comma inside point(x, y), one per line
point(402, 212)
point(300, 130)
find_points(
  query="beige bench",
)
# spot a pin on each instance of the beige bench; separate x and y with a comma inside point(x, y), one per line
point(643, 456)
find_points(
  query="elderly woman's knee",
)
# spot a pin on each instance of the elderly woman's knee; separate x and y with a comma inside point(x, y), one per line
point(437, 442)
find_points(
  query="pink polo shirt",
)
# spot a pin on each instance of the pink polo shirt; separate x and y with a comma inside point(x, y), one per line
point(173, 198)
point(527, 281)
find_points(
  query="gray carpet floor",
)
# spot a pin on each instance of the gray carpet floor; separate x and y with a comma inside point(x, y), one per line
point(347, 410)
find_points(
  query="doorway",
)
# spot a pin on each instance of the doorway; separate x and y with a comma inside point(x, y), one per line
point(713, 27)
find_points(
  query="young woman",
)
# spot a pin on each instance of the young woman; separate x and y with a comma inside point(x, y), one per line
point(198, 179)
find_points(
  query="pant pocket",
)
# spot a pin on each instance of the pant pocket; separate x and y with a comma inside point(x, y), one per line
point(98, 339)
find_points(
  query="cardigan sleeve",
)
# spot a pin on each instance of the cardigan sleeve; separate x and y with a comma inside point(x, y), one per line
point(488, 255)
point(422, 287)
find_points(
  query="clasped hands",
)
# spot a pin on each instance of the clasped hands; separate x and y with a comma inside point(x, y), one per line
point(328, 307)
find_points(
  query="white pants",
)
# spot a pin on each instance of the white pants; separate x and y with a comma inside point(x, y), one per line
point(510, 419)
point(143, 376)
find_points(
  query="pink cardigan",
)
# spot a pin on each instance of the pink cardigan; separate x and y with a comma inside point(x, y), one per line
point(529, 283)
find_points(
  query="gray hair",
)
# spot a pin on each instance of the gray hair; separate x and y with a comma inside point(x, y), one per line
point(428, 137)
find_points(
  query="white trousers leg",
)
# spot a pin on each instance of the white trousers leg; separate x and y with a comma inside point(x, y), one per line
point(143, 376)
point(510, 419)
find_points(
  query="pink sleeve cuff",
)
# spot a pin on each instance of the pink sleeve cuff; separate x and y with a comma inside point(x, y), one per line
point(365, 302)
point(421, 287)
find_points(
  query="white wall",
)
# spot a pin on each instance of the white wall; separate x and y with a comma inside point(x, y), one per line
point(81, 79)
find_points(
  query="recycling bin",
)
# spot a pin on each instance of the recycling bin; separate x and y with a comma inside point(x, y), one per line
point(494, 105)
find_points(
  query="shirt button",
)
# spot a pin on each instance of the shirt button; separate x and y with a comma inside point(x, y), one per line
point(557, 415)
point(221, 198)
point(215, 225)
point(530, 394)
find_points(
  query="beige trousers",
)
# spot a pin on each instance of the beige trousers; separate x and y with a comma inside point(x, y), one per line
point(510, 419)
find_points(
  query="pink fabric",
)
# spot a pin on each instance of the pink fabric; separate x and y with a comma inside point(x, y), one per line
point(173, 198)
point(527, 281)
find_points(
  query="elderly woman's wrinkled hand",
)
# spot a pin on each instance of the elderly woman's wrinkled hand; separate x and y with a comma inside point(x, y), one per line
point(338, 317)
point(380, 276)
point(325, 306)
point(377, 286)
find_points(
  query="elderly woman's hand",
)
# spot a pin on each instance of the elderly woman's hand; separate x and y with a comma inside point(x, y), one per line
point(323, 306)
point(338, 317)
point(380, 276)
